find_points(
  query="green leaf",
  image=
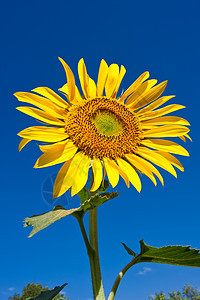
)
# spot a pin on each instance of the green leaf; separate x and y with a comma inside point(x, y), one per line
point(97, 200)
point(129, 251)
point(42, 221)
point(84, 194)
point(49, 294)
point(104, 186)
point(172, 255)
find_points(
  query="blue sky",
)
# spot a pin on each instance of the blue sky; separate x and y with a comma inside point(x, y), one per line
point(162, 37)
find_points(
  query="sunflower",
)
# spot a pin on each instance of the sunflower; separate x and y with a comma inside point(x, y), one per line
point(115, 136)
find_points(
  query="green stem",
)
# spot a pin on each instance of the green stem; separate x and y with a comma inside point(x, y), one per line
point(90, 250)
point(119, 278)
point(94, 257)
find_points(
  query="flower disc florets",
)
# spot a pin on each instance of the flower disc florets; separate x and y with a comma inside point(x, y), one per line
point(103, 128)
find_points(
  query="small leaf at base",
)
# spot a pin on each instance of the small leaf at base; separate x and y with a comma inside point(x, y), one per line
point(49, 294)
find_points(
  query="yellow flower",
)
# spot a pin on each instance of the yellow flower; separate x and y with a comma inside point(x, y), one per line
point(121, 135)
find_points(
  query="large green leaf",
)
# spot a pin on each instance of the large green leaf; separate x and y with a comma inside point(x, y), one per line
point(49, 294)
point(172, 255)
point(42, 221)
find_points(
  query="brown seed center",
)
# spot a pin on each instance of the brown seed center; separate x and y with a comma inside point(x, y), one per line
point(103, 128)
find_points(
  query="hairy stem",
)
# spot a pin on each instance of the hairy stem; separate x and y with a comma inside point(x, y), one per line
point(119, 278)
point(84, 234)
point(94, 257)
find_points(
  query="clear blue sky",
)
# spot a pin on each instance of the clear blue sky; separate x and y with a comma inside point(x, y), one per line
point(159, 36)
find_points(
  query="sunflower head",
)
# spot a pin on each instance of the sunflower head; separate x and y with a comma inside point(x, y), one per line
point(122, 136)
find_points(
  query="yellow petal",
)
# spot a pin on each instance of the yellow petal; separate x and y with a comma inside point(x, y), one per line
point(92, 89)
point(134, 86)
point(23, 143)
point(40, 115)
point(81, 175)
point(182, 138)
point(98, 173)
point(119, 80)
point(166, 131)
point(76, 177)
point(166, 120)
point(155, 104)
point(50, 94)
point(64, 89)
point(41, 102)
point(71, 176)
point(131, 173)
point(57, 154)
point(44, 134)
point(62, 182)
point(166, 146)
point(187, 135)
point(148, 126)
point(160, 112)
point(149, 96)
point(157, 159)
point(47, 147)
point(111, 82)
point(84, 78)
point(173, 160)
point(140, 165)
point(124, 176)
point(102, 76)
point(140, 92)
point(112, 171)
point(70, 80)
point(150, 167)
